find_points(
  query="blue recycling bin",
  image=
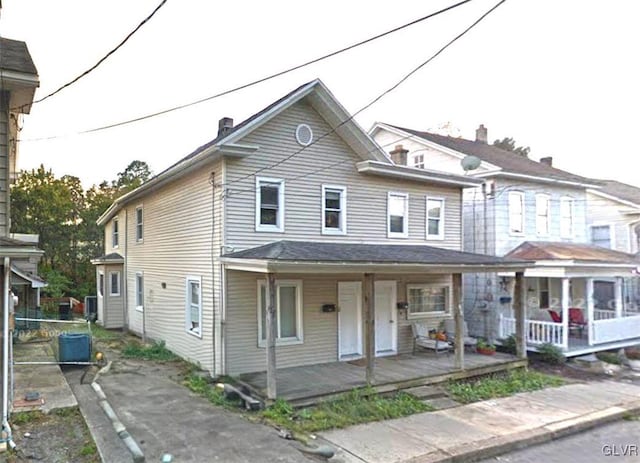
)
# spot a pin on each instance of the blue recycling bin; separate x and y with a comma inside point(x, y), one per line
point(74, 347)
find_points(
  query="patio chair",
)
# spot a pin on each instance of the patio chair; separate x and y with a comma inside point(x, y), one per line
point(576, 320)
point(421, 339)
point(450, 329)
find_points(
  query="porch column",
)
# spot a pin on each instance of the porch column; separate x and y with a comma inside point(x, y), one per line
point(590, 309)
point(619, 300)
point(368, 298)
point(37, 297)
point(456, 300)
point(272, 334)
point(519, 307)
point(565, 313)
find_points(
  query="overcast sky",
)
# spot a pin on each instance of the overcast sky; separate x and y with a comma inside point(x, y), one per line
point(560, 77)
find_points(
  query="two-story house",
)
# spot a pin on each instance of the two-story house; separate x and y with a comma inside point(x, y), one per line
point(533, 211)
point(295, 209)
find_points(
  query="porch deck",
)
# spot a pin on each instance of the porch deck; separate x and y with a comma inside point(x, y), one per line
point(309, 384)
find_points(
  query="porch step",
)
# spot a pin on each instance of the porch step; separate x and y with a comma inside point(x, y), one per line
point(426, 392)
point(441, 403)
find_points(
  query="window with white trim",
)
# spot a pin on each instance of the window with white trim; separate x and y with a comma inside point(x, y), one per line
point(418, 161)
point(435, 218)
point(601, 236)
point(193, 306)
point(114, 283)
point(543, 293)
point(288, 312)
point(115, 233)
point(566, 217)
point(100, 284)
point(269, 204)
point(542, 214)
point(397, 215)
point(139, 291)
point(139, 223)
point(516, 212)
point(334, 210)
point(427, 299)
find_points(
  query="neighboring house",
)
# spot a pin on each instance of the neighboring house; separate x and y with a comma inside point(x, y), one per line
point(295, 202)
point(530, 210)
point(25, 282)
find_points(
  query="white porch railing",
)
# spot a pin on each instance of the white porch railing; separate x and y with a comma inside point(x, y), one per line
point(615, 329)
point(536, 331)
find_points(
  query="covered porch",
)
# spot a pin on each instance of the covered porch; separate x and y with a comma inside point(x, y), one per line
point(380, 290)
point(577, 298)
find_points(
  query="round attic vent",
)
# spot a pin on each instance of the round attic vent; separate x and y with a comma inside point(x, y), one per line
point(304, 135)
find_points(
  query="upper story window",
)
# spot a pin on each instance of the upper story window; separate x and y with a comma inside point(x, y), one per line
point(435, 218)
point(516, 212)
point(566, 217)
point(114, 283)
point(193, 308)
point(269, 204)
point(288, 312)
point(418, 161)
point(425, 300)
point(334, 210)
point(139, 291)
point(542, 214)
point(139, 223)
point(601, 236)
point(397, 215)
point(115, 233)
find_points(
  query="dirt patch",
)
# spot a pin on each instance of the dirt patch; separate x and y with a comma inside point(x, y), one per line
point(60, 437)
point(568, 370)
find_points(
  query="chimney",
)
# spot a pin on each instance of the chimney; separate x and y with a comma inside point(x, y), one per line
point(481, 134)
point(548, 161)
point(224, 126)
point(399, 155)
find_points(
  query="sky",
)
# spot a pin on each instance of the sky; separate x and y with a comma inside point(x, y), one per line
point(559, 77)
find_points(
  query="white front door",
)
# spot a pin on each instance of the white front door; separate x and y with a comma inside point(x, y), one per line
point(385, 306)
point(349, 319)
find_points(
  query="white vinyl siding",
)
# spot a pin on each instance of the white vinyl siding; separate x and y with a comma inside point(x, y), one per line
point(288, 312)
point(269, 204)
point(516, 212)
point(115, 233)
point(193, 305)
point(334, 210)
point(542, 214)
point(428, 300)
point(397, 215)
point(139, 292)
point(114, 283)
point(566, 217)
point(139, 223)
point(435, 219)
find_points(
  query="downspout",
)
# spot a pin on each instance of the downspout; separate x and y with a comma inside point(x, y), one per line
point(5, 354)
point(125, 276)
point(212, 182)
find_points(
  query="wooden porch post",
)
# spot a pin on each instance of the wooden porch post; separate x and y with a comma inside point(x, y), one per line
point(619, 300)
point(368, 297)
point(519, 305)
point(565, 313)
point(272, 334)
point(590, 309)
point(456, 300)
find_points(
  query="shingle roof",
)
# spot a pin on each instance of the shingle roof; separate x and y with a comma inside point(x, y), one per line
point(112, 257)
point(14, 56)
point(588, 253)
point(506, 160)
point(310, 251)
point(13, 243)
point(619, 190)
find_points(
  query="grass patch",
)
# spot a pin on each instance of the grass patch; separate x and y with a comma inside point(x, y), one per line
point(608, 357)
point(156, 351)
point(21, 418)
point(204, 388)
point(497, 385)
point(89, 449)
point(358, 406)
point(102, 334)
point(631, 417)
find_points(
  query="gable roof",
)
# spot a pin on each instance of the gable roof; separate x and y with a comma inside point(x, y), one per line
point(576, 252)
point(14, 56)
point(507, 161)
point(619, 190)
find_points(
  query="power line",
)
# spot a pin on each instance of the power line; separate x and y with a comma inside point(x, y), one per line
point(260, 80)
point(105, 57)
point(372, 102)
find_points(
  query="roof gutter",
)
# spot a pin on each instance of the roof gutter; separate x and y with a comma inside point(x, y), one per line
point(534, 178)
point(424, 175)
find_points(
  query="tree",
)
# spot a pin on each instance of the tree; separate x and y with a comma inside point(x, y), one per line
point(135, 174)
point(509, 144)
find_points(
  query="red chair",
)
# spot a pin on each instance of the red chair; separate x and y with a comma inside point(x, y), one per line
point(576, 320)
point(555, 317)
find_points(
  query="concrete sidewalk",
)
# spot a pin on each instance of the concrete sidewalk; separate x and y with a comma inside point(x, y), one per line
point(488, 428)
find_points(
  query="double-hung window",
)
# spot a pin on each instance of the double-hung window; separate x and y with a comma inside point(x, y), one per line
point(114, 283)
point(269, 204)
point(397, 215)
point(566, 217)
point(427, 299)
point(435, 218)
point(139, 223)
point(334, 210)
point(139, 292)
point(288, 312)
point(543, 293)
point(115, 233)
point(193, 308)
point(100, 284)
point(516, 212)
point(418, 161)
point(601, 236)
point(542, 214)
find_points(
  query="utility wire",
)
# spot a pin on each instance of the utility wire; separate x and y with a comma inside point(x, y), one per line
point(105, 57)
point(262, 79)
point(372, 102)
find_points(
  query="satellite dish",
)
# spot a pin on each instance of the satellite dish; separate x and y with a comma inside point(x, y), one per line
point(470, 163)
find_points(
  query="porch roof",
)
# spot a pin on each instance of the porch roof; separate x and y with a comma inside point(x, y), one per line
point(28, 278)
point(112, 258)
point(357, 257)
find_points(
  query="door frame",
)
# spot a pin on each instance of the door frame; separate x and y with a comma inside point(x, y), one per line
point(393, 284)
point(360, 352)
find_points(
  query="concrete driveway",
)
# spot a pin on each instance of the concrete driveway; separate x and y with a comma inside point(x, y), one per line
point(165, 417)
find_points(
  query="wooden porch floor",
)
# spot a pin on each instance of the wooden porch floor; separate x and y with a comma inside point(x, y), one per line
point(308, 384)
